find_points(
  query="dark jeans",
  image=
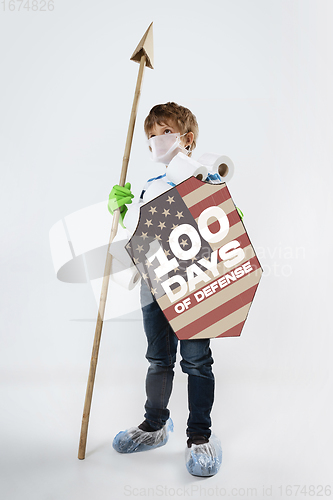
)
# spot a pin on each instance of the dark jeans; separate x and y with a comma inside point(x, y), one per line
point(196, 362)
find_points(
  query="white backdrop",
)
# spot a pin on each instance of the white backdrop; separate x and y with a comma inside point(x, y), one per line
point(258, 76)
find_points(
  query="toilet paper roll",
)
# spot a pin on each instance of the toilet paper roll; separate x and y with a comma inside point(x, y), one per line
point(182, 167)
point(221, 164)
point(156, 189)
point(123, 275)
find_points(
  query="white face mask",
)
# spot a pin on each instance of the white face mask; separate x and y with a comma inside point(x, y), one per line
point(165, 147)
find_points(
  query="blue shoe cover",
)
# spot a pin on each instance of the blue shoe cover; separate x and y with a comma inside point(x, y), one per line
point(204, 459)
point(134, 439)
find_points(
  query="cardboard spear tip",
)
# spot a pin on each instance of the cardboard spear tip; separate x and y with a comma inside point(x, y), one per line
point(145, 46)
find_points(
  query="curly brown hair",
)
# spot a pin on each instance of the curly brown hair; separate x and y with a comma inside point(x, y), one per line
point(173, 112)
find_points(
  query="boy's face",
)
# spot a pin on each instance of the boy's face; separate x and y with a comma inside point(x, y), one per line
point(164, 128)
point(170, 127)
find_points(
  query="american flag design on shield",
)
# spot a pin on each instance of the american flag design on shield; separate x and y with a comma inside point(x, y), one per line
point(191, 248)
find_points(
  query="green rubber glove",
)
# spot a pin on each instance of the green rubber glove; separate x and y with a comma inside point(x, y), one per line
point(240, 213)
point(119, 198)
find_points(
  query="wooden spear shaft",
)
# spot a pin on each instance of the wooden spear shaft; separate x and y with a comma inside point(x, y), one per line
point(105, 284)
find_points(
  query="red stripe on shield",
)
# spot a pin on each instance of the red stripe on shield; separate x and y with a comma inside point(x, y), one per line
point(212, 200)
point(188, 186)
point(217, 314)
point(235, 331)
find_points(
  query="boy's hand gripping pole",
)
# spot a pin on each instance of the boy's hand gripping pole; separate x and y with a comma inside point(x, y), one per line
point(143, 54)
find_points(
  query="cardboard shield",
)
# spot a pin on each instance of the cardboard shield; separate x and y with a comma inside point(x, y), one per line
point(191, 248)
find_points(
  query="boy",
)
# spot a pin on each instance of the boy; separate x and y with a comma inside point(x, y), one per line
point(170, 129)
